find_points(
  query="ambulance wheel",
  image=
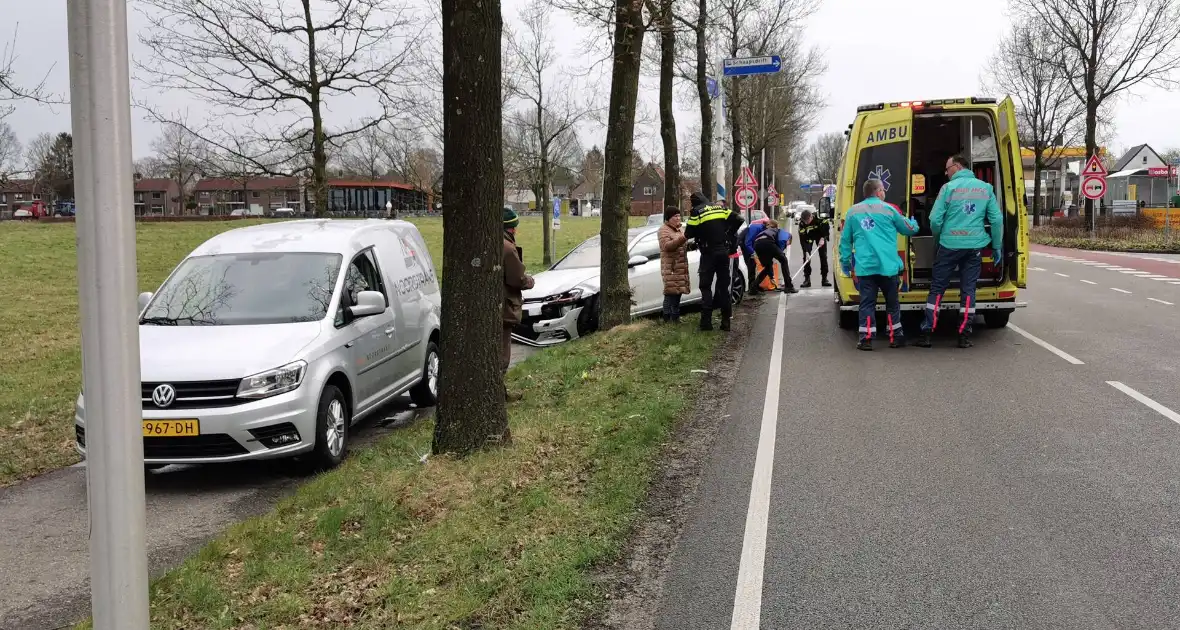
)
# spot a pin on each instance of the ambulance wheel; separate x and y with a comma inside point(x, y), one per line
point(996, 319)
point(848, 320)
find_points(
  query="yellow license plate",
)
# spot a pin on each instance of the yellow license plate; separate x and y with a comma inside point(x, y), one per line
point(171, 428)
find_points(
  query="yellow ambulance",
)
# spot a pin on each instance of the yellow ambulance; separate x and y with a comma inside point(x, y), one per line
point(906, 146)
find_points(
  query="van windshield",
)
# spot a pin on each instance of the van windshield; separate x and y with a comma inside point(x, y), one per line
point(246, 289)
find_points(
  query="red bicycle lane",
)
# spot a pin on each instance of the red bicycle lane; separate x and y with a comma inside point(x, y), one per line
point(1129, 261)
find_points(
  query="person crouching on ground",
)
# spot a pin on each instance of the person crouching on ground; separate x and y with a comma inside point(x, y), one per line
point(768, 243)
point(871, 228)
point(673, 264)
point(516, 280)
point(747, 249)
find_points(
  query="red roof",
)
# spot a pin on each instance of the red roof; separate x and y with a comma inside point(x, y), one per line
point(366, 183)
point(256, 183)
point(154, 184)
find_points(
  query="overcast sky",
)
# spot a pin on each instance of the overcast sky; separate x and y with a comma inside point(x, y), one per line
point(915, 50)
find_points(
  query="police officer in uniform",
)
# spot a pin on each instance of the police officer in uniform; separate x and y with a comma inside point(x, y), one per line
point(714, 229)
point(814, 233)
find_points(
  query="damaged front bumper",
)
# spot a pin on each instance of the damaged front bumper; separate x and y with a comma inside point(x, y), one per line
point(548, 324)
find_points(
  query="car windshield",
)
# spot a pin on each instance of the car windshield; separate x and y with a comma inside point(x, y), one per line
point(655, 219)
point(246, 289)
point(588, 254)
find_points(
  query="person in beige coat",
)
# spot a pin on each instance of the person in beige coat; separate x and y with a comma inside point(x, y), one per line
point(673, 264)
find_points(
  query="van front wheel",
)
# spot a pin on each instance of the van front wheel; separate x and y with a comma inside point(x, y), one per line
point(996, 319)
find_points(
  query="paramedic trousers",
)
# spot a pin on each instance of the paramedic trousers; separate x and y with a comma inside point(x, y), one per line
point(715, 284)
point(868, 286)
point(768, 252)
point(969, 262)
point(823, 259)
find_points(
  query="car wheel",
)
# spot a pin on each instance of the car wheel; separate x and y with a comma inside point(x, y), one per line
point(331, 430)
point(425, 393)
point(737, 288)
point(848, 319)
point(996, 319)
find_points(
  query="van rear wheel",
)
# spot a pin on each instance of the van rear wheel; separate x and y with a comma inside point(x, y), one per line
point(848, 319)
point(425, 393)
point(996, 319)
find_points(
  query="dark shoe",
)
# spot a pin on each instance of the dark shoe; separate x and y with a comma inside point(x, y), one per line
point(806, 284)
point(706, 322)
point(865, 344)
point(676, 320)
point(965, 342)
point(790, 289)
point(923, 341)
point(898, 342)
point(725, 324)
point(824, 282)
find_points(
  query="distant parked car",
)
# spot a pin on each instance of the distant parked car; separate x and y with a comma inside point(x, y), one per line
point(22, 214)
point(284, 212)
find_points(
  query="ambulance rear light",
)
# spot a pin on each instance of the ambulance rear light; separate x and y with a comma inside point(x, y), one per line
point(871, 108)
point(1007, 295)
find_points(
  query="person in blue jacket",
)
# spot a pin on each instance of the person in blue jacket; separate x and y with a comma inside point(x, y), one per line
point(957, 223)
point(768, 241)
point(747, 247)
point(870, 229)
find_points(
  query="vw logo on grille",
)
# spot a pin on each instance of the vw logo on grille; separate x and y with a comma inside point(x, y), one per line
point(164, 395)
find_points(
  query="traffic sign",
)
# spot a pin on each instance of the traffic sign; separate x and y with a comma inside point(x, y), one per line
point(1094, 167)
point(744, 66)
point(746, 179)
point(1094, 187)
point(712, 87)
point(771, 193)
point(745, 198)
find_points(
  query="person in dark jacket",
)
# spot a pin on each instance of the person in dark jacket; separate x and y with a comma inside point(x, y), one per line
point(747, 248)
point(516, 280)
point(814, 233)
point(768, 244)
point(715, 231)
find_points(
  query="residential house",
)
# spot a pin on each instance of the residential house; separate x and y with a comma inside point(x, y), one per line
point(1142, 176)
point(647, 191)
point(16, 194)
point(258, 195)
point(157, 197)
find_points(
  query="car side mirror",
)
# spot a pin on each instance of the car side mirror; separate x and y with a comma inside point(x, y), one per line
point(144, 299)
point(368, 303)
point(636, 260)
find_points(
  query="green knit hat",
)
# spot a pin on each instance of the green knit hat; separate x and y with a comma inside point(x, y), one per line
point(510, 218)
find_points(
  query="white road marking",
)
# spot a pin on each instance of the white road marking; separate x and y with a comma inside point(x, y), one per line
point(1153, 276)
point(1163, 279)
point(1088, 282)
point(1044, 344)
point(1161, 301)
point(1151, 404)
point(1060, 274)
point(1136, 272)
point(1174, 282)
point(1035, 269)
point(1120, 290)
point(1122, 269)
point(747, 601)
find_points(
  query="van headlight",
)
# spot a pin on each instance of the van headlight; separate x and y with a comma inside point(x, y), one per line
point(273, 382)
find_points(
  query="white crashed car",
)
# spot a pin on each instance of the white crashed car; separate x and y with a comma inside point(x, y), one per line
point(564, 305)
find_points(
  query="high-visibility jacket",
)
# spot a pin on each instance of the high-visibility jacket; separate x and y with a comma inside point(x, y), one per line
point(871, 228)
point(957, 219)
point(714, 228)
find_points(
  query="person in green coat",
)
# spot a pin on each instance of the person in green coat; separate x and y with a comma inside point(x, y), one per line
point(957, 224)
point(870, 230)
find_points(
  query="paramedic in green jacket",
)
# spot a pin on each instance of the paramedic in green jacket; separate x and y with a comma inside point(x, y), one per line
point(871, 228)
point(957, 224)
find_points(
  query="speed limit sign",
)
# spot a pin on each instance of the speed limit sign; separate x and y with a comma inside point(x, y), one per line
point(745, 198)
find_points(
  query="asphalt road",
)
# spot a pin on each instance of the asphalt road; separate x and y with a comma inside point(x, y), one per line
point(1032, 481)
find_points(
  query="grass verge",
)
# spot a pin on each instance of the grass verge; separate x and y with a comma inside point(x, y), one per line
point(1155, 243)
point(40, 368)
point(502, 539)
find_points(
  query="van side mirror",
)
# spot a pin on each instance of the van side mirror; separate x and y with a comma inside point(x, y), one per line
point(368, 303)
point(144, 299)
point(636, 260)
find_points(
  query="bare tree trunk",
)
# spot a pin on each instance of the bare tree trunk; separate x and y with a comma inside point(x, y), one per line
point(545, 205)
point(620, 142)
point(708, 185)
point(667, 117)
point(736, 158)
point(471, 410)
point(1038, 168)
point(319, 157)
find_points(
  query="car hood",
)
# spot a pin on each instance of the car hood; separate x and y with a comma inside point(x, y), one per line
point(553, 282)
point(209, 353)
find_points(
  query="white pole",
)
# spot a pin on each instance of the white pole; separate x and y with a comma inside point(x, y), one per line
point(101, 116)
point(763, 182)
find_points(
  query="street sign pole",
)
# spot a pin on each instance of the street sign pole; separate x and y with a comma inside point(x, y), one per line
point(101, 119)
point(763, 189)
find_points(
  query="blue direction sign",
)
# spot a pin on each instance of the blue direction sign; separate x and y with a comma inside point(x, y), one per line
point(713, 88)
point(744, 66)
